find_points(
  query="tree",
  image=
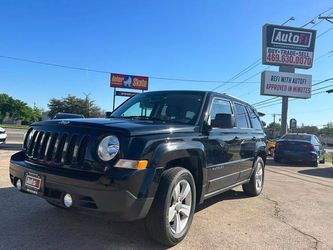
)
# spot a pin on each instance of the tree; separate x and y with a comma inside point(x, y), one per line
point(73, 104)
point(16, 109)
point(327, 130)
point(263, 124)
point(272, 129)
point(307, 129)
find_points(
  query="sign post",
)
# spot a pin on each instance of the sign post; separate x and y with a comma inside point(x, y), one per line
point(288, 48)
point(284, 110)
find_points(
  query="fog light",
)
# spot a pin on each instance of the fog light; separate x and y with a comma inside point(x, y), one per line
point(19, 184)
point(68, 201)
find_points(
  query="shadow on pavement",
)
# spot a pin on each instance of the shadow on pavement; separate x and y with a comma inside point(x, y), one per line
point(271, 163)
point(229, 195)
point(320, 172)
point(28, 222)
point(11, 146)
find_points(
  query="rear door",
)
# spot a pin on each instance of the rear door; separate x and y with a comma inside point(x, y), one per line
point(247, 137)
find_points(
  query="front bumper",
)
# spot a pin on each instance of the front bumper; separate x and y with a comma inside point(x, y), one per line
point(90, 191)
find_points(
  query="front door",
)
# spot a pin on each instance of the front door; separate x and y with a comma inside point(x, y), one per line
point(222, 150)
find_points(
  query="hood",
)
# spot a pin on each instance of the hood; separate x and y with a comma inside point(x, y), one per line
point(128, 127)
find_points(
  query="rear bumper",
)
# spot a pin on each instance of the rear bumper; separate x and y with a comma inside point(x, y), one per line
point(90, 191)
point(310, 156)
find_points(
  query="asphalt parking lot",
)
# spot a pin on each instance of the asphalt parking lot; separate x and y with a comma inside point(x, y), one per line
point(294, 212)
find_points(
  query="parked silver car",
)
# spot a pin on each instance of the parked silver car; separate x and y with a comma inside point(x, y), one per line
point(3, 135)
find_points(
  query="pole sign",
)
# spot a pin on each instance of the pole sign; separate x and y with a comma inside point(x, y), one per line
point(128, 81)
point(288, 46)
point(286, 84)
point(293, 123)
point(125, 93)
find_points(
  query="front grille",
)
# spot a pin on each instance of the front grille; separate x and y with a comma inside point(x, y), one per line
point(56, 148)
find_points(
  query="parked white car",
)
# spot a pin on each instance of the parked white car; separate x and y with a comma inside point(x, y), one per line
point(3, 135)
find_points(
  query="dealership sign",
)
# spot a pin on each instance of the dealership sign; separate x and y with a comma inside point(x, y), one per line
point(286, 84)
point(128, 81)
point(288, 46)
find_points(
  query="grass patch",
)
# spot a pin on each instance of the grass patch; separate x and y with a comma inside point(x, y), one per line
point(328, 157)
point(13, 126)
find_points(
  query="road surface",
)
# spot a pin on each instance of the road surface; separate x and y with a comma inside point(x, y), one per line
point(294, 212)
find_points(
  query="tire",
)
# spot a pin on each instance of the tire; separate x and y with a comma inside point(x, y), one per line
point(256, 184)
point(157, 222)
point(314, 164)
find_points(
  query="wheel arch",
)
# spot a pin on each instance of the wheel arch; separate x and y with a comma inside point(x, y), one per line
point(189, 155)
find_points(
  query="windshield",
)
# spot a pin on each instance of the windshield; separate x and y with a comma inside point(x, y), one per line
point(165, 107)
point(297, 137)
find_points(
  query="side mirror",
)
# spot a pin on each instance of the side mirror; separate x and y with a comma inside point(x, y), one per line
point(206, 127)
point(223, 121)
point(108, 114)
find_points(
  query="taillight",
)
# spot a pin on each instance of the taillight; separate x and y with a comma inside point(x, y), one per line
point(308, 146)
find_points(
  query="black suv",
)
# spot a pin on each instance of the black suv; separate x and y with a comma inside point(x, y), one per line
point(157, 157)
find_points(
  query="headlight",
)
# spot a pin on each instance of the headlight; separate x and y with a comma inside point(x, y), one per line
point(108, 148)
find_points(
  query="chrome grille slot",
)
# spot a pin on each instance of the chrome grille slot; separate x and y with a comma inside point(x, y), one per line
point(43, 147)
point(82, 149)
point(69, 153)
point(50, 147)
point(58, 149)
point(37, 145)
point(32, 143)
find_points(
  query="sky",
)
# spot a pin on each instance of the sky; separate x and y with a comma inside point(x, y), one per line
point(210, 40)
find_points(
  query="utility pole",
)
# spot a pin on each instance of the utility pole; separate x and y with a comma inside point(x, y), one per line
point(284, 111)
point(327, 18)
point(274, 128)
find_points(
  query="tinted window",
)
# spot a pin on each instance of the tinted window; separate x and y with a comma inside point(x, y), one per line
point(168, 107)
point(316, 140)
point(241, 116)
point(255, 121)
point(220, 107)
point(137, 110)
point(297, 137)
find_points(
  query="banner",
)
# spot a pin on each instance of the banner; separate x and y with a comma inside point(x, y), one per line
point(128, 81)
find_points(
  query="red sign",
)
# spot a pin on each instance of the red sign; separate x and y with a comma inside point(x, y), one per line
point(128, 81)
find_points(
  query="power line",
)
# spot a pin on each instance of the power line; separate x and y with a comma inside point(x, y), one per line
point(108, 72)
point(329, 53)
point(294, 99)
point(292, 18)
point(251, 66)
point(269, 100)
point(222, 82)
point(316, 17)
